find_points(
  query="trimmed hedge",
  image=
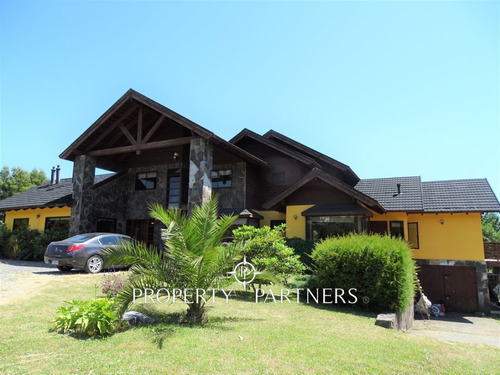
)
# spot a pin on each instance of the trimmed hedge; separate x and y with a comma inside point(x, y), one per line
point(303, 248)
point(380, 268)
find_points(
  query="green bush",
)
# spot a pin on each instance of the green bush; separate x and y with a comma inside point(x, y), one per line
point(265, 248)
point(90, 318)
point(380, 268)
point(27, 244)
point(303, 248)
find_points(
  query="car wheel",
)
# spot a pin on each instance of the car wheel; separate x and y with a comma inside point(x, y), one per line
point(64, 268)
point(94, 264)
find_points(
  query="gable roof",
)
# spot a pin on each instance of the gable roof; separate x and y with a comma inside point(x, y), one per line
point(124, 108)
point(45, 195)
point(471, 195)
point(284, 150)
point(330, 180)
point(274, 135)
point(385, 191)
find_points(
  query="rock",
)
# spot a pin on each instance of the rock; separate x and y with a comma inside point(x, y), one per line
point(134, 318)
point(386, 321)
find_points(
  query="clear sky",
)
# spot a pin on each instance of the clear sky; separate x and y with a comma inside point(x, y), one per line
point(388, 88)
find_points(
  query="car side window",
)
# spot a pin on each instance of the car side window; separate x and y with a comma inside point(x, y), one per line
point(109, 240)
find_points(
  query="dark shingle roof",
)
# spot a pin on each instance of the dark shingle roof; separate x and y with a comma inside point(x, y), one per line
point(459, 195)
point(385, 191)
point(45, 195)
point(473, 195)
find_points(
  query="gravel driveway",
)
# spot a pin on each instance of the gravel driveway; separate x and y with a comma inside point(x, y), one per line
point(20, 278)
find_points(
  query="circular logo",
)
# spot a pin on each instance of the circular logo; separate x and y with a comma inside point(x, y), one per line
point(244, 272)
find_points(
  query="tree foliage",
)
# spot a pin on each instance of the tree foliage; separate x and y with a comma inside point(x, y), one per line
point(266, 249)
point(18, 180)
point(491, 227)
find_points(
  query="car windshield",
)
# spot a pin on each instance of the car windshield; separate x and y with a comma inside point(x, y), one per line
point(81, 237)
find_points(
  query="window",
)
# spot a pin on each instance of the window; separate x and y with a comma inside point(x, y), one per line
point(174, 188)
point(397, 229)
point(109, 240)
point(413, 235)
point(320, 227)
point(145, 181)
point(57, 223)
point(20, 224)
point(221, 178)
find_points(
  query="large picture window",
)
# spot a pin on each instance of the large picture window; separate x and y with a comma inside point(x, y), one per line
point(145, 181)
point(321, 227)
point(222, 178)
point(57, 223)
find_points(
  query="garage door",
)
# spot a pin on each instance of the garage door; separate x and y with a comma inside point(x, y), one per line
point(455, 286)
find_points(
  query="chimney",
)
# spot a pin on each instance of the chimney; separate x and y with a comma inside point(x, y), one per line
point(399, 191)
point(398, 185)
point(53, 176)
point(58, 179)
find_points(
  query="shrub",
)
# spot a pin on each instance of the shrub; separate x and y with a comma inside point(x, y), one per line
point(380, 268)
point(265, 248)
point(90, 318)
point(112, 285)
point(303, 248)
point(27, 244)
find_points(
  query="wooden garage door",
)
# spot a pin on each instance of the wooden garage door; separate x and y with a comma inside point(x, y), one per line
point(455, 286)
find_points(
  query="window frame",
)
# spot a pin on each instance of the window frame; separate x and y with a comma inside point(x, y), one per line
point(402, 229)
point(140, 185)
point(55, 218)
point(220, 178)
point(19, 220)
point(417, 233)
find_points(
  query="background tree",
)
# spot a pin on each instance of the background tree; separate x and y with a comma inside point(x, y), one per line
point(18, 180)
point(491, 227)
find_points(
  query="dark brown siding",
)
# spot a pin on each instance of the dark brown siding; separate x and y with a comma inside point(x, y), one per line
point(455, 286)
point(318, 193)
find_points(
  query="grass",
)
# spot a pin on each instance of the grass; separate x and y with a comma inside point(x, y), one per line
point(241, 337)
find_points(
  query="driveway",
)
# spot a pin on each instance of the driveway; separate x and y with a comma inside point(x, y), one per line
point(459, 328)
point(20, 279)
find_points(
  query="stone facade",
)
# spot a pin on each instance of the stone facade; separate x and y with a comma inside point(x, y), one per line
point(81, 209)
point(233, 197)
point(200, 170)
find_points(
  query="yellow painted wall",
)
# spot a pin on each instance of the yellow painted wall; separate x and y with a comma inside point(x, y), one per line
point(295, 222)
point(459, 237)
point(270, 215)
point(35, 222)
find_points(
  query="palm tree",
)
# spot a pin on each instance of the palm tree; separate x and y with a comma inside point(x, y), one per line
point(193, 257)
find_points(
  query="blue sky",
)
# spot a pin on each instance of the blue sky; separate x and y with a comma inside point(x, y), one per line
point(389, 88)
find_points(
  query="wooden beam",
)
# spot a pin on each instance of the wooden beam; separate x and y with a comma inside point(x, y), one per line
point(154, 128)
point(127, 134)
point(109, 129)
point(139, 124)
point(142, 146)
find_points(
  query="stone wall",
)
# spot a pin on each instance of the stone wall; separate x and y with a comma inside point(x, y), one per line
point(233, 197)
point(200, 170)
point(81, 219)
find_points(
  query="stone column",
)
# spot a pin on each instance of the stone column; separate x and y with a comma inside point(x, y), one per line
point(200, 170)
point(483, 293)
point(81, 208)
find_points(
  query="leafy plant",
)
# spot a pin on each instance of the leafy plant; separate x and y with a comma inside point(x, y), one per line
point(380, 268)
point(302, 248)
point(113, 284)
point(90, 318)
point(193, 256)
point(265, 248)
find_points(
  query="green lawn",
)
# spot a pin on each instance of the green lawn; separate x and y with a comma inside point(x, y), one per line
point(241, 337)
